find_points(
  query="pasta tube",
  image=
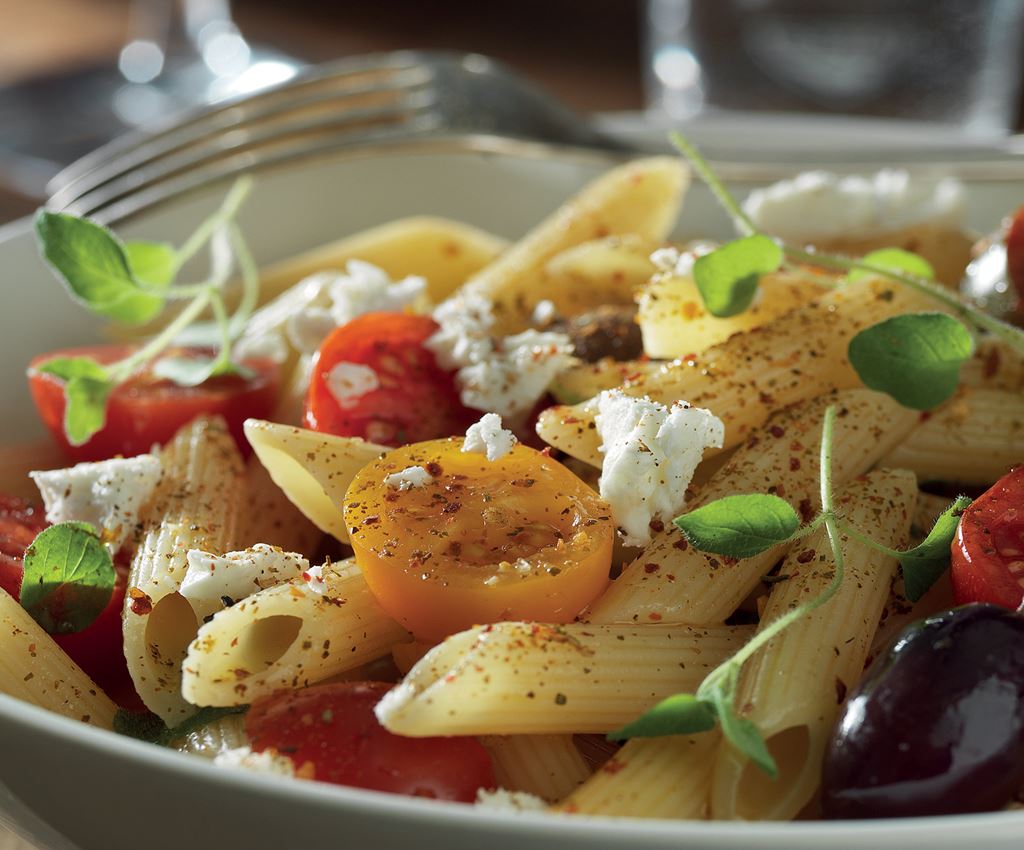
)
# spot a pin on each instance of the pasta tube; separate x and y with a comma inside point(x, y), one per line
point(995, 366)
point(195, 506)
point(313, 469)
point(793, 687)
point(672, 582)
point(526, 678)
point(641, 197)
point(548, 766)
point(34, 669)
point(288, 636)
point(603, 271)
point(270, 517)
point(744, 379)
point(974, 439)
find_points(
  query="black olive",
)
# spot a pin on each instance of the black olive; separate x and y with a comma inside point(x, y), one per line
point(937, 725)
point(607, 331)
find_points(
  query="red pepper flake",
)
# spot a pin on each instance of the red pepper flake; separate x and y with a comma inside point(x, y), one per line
point(523, 482)
point(654, 616)
point(806, 556)
point(794, 464)
point(992, 363)
point(656, 525)
point(613, 766)
point(371, 520)
point(777, 431)
point(806, 510)
point(141, 603)
point(925, 416)
point(434, 468)
point(451, 508)
point(682, 544)
point(651, 568)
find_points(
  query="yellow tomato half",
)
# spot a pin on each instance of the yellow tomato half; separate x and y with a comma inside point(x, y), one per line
point(518, 538)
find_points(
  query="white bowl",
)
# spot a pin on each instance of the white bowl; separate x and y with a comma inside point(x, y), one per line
point(105, 792)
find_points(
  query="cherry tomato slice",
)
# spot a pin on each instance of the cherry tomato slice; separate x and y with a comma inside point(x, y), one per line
point(415, 400)
point(99, 649)
point(987, 555)
point(333, 728)
point(146, 410)
point(516, 538)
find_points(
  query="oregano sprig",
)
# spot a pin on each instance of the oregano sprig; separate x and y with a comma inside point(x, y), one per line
point(726, 293)
point(132, 283)
point(746, 525)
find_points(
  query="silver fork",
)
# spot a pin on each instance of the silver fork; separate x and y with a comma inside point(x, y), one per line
point(367, 99)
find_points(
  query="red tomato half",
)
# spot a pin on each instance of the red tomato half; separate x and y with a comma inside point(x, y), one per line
point(147, 410)
point(333, 728)
point(99, 649)
point(987, 557)
point(416, 400)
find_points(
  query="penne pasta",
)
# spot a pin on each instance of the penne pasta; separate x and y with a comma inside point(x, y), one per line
point(312, 469)
point(603, 271)
point(744, 379)
point(651, 778)
point(288, 636)
point(974, 439)
point(270, 517)
point(671, 582)
point(34, 669)
point(548, 766)
point(196, 506)
point(995, 366)
point(224, 733)
point(793, 687)
point(641, 198)
point(583, 381)
point(526, 678)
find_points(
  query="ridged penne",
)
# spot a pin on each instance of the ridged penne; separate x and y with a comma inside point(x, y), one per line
point(602, 271)
point(34, 669)
point(583, 381)
point(270, 517)
point(641, 197)
point(224, 733)
point(744, 379)
point(651, 778)
point(548, 766)
point(995, 365)
point(672, 582)
point(974, 439)
point(793, 687)
point(196, 506)
point(288, 636)
point(675, 323)
point(313, 469)
point(527, 678)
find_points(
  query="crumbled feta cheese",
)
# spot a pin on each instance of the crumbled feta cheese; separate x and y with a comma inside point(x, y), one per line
point(349, 382)
point(268, 761)
point(489, 438)
point(822, 204)
point(268, 346)
point(314, 578)
point(509, 801)
point(210, 578)
point(650, 454)
point(505, 376)
point(365, 288)
point(544, 312)
point(307, 329)
point(108, 495)
point(673, 261)
point(411, 476)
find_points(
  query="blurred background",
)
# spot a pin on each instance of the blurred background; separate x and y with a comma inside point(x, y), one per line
point(75, 73)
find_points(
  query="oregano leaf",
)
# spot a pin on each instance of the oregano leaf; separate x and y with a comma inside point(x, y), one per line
point(742, 733)
point(915, 358)
point(155, 263)
point(924, 564)
point(894, 260)
point(727, 278)
point(681, 714)
point(739, 526)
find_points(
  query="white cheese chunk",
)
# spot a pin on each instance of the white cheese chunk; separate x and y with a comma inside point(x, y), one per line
point(650, 454)
point(819, 204)
point(408, 478)
point(349, 382)
point(544, 312)
point(213, 581)
point(487, 437)
point(314, 578)
point(502, 800)
point(108, 495)
point(365, 288)
point(268, 761)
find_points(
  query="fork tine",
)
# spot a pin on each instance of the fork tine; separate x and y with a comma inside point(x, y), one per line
point(223, 113)
point(400, 87)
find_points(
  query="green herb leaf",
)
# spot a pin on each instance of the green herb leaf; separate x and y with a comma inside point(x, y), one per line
point(192, 371)
point(87, 386)
point(155, 263)
point(742, 733)
point(727, 277)
point(739, 526)
point(894, 260)
point(681, 714)
point(69, 577)
point(914, 358)
point(926, 562)
point(148, 727)
point(93, 263)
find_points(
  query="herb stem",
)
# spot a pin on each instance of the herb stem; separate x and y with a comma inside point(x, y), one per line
point(707, 174)
point(228, 209)
point(851, 531)
point(250, 280)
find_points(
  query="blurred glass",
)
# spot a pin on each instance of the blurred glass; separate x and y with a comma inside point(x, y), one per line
point(951, 61)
